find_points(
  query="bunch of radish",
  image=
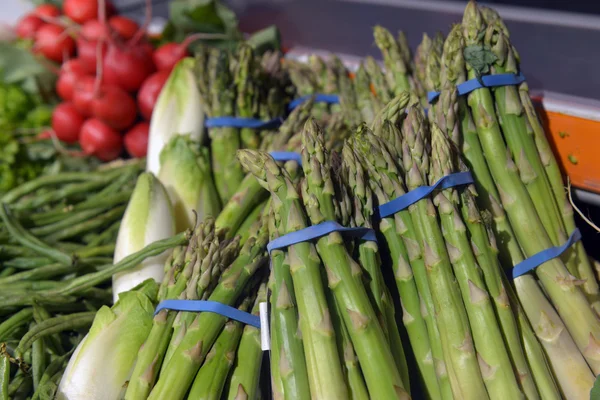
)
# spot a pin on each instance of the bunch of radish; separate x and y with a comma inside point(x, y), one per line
point(110, 75)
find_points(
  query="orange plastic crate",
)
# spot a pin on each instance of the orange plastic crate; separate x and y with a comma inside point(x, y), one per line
point(573, 129)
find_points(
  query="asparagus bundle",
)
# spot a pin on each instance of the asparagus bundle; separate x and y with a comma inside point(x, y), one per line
point(235, 86)
point(193, 340)
point(345, 309)
point(500, 121)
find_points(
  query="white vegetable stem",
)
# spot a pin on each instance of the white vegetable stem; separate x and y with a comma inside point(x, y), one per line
point(102, 363)
point(178, 110)
point(149, 217)
point(186, 175)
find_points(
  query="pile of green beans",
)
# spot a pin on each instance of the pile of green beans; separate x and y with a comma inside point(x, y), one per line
point(57, 239)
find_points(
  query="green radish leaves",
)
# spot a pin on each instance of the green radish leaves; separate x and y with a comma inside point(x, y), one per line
point(211, 16)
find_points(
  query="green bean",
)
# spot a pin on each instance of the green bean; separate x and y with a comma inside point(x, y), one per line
point(27, 286)
point(59, 194)
point(53, 270)
point(21, 299)
point(54, 325)
point(57, 365)
point(38, 361)
point(7, 271)
point(27, 239)
point(47, 271)
point(51, 386)
point(48, 180)
point(86, 226)
point(19, 385)
point(18, 319)
point(109, 235)
point(53, 216)
point(11, 250)
point(93, 251)
point(27, 262)
point(67, 221)
point(86, 253)
point(104, 200)
point(117, 185)
point(77, 285)
point(130, 261)
point(54, 344)
point(4, 372)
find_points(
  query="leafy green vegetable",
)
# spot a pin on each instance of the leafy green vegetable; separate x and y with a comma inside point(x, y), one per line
point(480, 58)
point(211, 16)
point(595, 392)
point(20, 67)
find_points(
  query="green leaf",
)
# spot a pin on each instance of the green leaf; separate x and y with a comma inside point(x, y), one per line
point(206, 16)
point(20, 66)
point(268, 38)
point(595, 392)
point(212, 16)
point(480, 58)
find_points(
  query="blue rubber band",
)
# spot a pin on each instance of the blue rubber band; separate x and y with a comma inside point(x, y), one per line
point(209, 306)
point(545, 255)
point(317, 98)
point(252, 123)
point(487, 80)
point(286, 156)
point(404, 201)
point(238, 122)
point(317, 231)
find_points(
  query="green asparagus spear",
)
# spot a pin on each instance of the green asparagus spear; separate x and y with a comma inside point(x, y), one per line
point(246, 369)
point(284, 313)
point(397, 71)
point(180, 371)
point(343, 274)
point(211, 378)
point(568, 299)
point(407, 262)
point(465, 375)
point(324, 369)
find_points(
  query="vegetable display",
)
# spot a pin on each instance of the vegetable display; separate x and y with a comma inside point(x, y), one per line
point(390, 232)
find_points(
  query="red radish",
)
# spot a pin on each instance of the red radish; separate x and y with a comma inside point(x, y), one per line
point(54, 43)
point(98, 139)
point(115, 107)
point(127, 67)
point(28, 26)
point(87, 52)
point(82, 11)
point(83, 95)
point(149, 92)
point(70, 73)
point(66, 122)
point(94, 30)
point(125, 27)
point(47, 10)
point(169, 54)
point(136, 140)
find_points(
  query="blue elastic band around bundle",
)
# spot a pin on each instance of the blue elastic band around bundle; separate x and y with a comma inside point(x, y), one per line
point(320, 230)
point(485, 81)
point(318, 98)
point(286, 156)
point(252, 123)
point(238, 122)
point(545, 255)
point(404, 201)
point(209, 306)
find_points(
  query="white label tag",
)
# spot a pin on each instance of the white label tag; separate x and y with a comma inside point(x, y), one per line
point(265, 336)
